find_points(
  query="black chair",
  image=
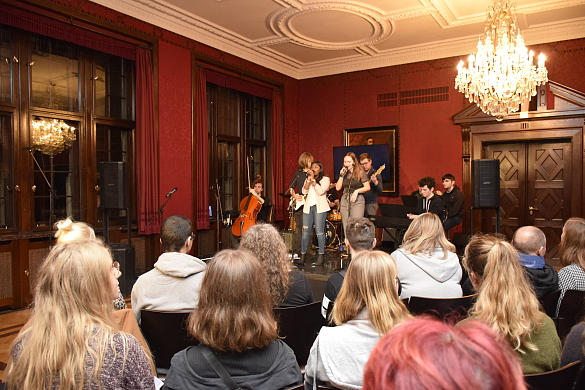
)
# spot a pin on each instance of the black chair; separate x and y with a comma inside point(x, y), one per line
point(549, 302)
point(571, 311)
point(561, 379)
point(299, 327)
point(445, 309)
point(166, 334)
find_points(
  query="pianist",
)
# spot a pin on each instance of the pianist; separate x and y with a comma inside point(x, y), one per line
point(430, 202)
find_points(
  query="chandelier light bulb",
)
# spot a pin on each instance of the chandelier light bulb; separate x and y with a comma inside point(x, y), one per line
point(501, 74)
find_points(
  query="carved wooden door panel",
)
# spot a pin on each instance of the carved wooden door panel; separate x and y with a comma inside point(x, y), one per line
point(535, 188)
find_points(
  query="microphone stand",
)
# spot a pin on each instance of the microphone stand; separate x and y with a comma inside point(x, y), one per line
point(291, 210)
point(52, 194)
point(160, 209)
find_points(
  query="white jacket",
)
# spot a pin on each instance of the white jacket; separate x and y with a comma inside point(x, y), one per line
point(318, 191)
point(172, 285)
point(430, 277)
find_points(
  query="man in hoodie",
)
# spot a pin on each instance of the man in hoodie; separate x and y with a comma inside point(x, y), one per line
point(530, 242)
point(173, 284)
point(454, 200)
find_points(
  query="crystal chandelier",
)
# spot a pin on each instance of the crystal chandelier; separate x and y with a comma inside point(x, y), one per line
point(502, 74)
point(51, 136)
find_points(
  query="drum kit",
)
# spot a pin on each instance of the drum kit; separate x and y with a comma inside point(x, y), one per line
point(331, 225)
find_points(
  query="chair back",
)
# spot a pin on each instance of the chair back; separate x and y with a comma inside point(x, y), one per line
point(166, 335)
point(571, 311)
point(299, 327)
point(442, 308)
point(561, 379)
point(549, 302)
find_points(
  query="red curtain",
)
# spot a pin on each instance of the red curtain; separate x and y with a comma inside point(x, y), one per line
point(147, 180)
point(202, 152)
point(277, 155)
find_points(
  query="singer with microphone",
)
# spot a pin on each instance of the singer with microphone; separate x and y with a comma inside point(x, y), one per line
point(315, 210)
point(354, 182)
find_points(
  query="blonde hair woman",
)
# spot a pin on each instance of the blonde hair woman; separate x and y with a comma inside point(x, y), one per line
point(507, 303)
point(366, 308)
point(427, 263)
point(71, 342)
point(288, 287)
point(69, 231)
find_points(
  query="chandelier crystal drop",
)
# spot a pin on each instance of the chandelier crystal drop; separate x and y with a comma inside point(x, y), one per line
point(51, 136)
point(502, 74)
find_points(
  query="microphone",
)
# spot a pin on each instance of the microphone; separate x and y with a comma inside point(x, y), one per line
point(172, 192)
point(28, 148)
point(343, 171)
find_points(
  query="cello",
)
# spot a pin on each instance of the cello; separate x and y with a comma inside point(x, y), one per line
point(249, 208)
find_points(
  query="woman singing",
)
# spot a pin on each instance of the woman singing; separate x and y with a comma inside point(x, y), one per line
point(354, 182)
point(315, 210)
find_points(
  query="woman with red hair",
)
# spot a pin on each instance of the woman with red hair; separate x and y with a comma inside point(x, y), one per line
point(426, 353)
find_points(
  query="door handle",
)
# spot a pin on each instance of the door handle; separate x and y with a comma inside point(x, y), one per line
point(532, 209)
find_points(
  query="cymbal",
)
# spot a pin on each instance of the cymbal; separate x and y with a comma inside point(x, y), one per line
point(284, 194)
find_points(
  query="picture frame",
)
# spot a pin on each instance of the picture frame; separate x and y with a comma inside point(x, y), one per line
point(384, 150)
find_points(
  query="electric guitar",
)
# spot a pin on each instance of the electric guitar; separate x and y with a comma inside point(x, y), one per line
point(379, 170)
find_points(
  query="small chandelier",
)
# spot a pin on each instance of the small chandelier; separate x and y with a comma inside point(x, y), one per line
point(502, 74)
point(51, 136)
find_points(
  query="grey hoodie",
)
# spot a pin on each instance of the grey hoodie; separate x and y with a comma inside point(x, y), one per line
point(431, 277)
point(172, 285)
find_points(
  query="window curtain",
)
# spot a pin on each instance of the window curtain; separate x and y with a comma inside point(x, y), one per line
point(147, 178)
point(202, 149)
point(276, 156)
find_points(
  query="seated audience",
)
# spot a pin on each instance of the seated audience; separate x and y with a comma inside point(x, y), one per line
point(367, 308)
point(235, 325)
point(507, 303)
point(572, 256)
point(530, 242)
point(173, 284)
point(288, 286)
point(574, 346)
point(359, 236)
point(425, 353)
point(69, 231)
point(427, 263)
point(71, 341)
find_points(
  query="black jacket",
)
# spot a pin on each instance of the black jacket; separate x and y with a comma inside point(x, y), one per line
point(454, 201)
point(434, 205)
point(544, 280)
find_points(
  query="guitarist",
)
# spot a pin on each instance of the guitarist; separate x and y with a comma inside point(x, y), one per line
point(371, 196)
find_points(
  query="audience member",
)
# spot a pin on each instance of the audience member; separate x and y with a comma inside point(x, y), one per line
point(427, 263)
point(428, 354)
point(572, 256)
point(235, 325)
point(507, 303)
point(71, 341)
point(288, 287)
point(530, 242)
point(173, 284)
point(69, 231)
point(574, 346)
point(360, 236)
point(429, 202)
point(366, 309)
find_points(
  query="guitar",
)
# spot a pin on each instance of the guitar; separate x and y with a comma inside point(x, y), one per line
point(379, 170)
point(297, 204)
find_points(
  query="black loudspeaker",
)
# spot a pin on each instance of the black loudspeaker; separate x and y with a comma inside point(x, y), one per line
point(126, 256)
point(113, 180)
point(486, 183)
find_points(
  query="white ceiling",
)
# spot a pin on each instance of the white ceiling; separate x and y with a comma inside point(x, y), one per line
point(311, 38)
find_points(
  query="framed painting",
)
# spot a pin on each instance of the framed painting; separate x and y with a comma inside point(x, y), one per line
point(381, 143)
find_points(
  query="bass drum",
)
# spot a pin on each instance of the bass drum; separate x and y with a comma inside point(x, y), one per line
point(329, 235)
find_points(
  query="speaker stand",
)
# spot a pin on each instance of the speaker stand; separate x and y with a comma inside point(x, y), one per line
point(482, 208)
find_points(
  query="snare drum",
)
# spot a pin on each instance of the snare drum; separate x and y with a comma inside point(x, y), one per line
point(334, 216)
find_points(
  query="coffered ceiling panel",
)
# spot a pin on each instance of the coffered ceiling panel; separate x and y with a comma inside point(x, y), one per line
point(311, 38)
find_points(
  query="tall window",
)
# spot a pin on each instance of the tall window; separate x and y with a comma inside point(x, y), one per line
point(238, 128)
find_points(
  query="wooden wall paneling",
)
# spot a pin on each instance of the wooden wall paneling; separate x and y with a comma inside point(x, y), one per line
point(8, 274)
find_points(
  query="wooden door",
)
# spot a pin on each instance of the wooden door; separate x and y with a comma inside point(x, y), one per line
point(535, 188)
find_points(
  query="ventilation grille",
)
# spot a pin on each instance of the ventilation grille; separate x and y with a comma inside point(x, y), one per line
point(417, 96)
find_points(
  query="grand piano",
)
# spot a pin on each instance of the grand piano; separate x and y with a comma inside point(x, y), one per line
point(394, 217)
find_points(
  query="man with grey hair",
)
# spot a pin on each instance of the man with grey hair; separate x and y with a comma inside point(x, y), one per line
point(530, 242)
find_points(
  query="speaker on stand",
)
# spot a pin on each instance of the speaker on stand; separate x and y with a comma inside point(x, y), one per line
point(486, 188)
point(113, 181)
